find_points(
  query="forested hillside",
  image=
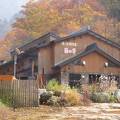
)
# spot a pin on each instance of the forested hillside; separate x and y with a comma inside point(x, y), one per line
point(63, 17)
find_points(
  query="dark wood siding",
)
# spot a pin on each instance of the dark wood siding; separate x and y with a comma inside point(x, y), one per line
point(82, 42)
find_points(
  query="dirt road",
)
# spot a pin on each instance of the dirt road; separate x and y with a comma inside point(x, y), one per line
point(92, 112)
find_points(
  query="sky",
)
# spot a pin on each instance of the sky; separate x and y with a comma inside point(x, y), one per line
point(9, 8)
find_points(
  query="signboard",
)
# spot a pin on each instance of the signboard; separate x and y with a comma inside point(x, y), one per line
point(68, 50)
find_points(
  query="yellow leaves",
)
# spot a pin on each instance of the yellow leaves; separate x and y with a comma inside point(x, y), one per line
point(61, 16)
point(73, 26)
point(42, 16)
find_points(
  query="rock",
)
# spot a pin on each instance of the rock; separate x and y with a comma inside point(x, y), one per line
point(40, 91)
point(117, 95)
point(44, 97)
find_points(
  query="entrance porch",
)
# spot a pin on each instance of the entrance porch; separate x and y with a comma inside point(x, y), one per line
point(75, 79)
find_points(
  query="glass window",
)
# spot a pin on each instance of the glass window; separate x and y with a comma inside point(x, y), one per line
point(66, 50)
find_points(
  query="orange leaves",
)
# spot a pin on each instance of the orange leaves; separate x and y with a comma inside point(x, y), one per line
point(62, 16)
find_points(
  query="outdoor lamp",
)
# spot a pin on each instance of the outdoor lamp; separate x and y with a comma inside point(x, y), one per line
point(84, 62)
point(83, 76)
point(106, 77)
point(106, 64)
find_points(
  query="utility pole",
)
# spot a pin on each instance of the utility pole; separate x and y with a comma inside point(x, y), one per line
point(17, 52)
point(15, 64)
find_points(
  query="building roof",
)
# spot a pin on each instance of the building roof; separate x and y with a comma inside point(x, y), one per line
point(87, 30)
point(47, 38)
point(7, 63)
point(90, 49)
point(39, 42)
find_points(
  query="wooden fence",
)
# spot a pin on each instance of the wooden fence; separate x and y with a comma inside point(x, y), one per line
point(19, 93)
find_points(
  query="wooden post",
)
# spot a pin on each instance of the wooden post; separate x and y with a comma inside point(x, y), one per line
point(33, 64)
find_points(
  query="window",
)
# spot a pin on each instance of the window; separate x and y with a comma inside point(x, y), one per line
point(74, 50)
point(66, 50)
point(94, 78)
point(74, 80)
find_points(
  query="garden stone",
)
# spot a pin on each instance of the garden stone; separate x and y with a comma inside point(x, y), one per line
point(117, 94)
point(44, 97)
point(40, 91)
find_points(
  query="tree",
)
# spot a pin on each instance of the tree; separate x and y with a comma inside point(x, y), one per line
point(113, 11)
point(113, 8)
point(62, 16)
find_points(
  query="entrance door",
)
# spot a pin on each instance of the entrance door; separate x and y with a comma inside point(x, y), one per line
point(74, 80)
point(94, 78)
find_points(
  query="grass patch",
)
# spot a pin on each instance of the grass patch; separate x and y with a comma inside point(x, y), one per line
point(1, 104)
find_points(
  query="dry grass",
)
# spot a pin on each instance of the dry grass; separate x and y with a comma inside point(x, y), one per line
point(73, 97)
point(115, 112)
point(53, 113)
point(40, 113)
point(103, 86)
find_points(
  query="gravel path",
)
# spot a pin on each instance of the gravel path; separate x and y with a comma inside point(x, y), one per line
point(92, 112)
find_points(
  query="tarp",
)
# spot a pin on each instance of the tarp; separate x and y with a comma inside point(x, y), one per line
point(7, 77)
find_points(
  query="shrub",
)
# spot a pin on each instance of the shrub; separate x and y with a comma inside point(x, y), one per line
point(57, 93)
point(48, 99)
point(117, 95)
point(113, 98)
point(109, 86)
point(93, 88)
point(56, 87)
point(63, 102)
point(1, 103)
point(72, 97)
point(63, 95)
point(6, 97)
point(44, 97)
point(53, 85)
point(102, 97)
point(53, 101)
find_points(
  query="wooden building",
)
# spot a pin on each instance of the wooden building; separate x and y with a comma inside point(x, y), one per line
point(81, 56)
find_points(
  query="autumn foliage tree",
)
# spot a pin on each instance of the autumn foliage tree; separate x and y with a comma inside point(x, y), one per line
point(63, 17)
